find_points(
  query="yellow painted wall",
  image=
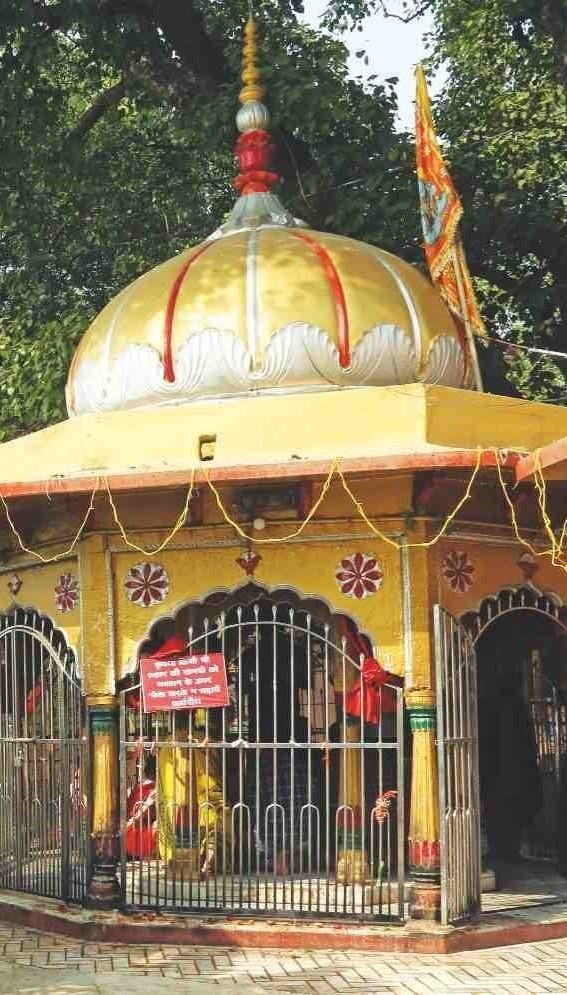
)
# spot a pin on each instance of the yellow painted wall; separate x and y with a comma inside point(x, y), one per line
point(38, 591)
point(495, 566)
point(420, 586)
point(110, 628)
point(308, 567)
point(97, 629)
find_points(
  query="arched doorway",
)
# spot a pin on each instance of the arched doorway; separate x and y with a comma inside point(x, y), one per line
point(278, 803)
point(521, 649)
point(43, 816)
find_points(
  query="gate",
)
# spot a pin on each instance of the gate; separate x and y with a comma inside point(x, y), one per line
point(43, 818)
point(284, 803)
point(547, 707)
point(457, 752)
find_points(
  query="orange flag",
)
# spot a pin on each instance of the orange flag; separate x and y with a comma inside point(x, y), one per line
point(441, 211)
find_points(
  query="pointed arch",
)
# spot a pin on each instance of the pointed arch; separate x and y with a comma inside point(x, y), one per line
point(192, 612)
point(526, 597)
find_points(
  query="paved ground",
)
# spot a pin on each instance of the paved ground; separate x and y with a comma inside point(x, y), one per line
point(528, 884)
point(32, 962)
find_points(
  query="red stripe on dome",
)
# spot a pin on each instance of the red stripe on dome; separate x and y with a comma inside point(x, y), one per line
point(337, 291)
point(168, 370)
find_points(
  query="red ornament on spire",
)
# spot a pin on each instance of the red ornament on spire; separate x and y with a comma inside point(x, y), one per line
point(254, 149)
point(254, 152)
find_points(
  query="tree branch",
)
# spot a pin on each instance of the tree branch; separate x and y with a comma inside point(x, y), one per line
point(184, 28)
point(420, 10)
point(105, 100)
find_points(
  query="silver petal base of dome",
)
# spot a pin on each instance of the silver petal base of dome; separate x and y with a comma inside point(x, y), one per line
point(257, 210)
point(216, 364)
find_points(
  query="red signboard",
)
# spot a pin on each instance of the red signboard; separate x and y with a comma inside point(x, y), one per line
point(192, 680)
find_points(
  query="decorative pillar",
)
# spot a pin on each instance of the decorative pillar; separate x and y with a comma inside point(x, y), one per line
point(97, 660)
point(103, 891)
point(351, 860)
point(423, 841)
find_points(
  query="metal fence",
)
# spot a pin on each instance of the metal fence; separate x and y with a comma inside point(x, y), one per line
point(43, 762)
point(282, 803)
point(457, 751)
point(546, 705)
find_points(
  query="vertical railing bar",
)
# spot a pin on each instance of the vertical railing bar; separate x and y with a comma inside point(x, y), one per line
point(400, 808)
point(308, 844)
point(64, 781)
point(221, 632)
point(274, 753)
point(257, 750)
point(456, 742)
point(25, 733)
point(440, 691)
point(293, 756)
point(361, 760)
point(205, 808)
point(451, 719)
point(327, 761)
point(188, 760)
point(6, 808)
point(343, 760)
point(382, 827)
point(140, 760)
point(17, 770)
point(472, 667)
point(44, 808)
point(240, 760)
point(159, 737)
point(123, 793)
point(52, 778)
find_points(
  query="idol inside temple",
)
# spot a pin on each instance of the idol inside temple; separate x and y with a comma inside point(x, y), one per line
point(277, 577)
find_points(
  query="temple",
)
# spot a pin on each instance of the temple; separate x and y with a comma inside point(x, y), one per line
point(271, 584)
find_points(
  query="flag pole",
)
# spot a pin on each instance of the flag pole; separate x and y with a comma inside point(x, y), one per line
point(467, 325)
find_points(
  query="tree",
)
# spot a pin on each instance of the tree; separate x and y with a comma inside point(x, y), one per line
point(118, 122)
point(503, 116)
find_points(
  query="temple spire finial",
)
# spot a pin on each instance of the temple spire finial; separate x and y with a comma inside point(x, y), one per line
point(251, 75)
point(254, 148)
point(257, 205)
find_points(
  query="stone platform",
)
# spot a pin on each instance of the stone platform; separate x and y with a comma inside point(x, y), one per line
point(152, 887)
point(491, 929)
point(530, 907)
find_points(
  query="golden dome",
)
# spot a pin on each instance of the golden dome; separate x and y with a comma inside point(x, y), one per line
point(269, 308)
point(264, 305)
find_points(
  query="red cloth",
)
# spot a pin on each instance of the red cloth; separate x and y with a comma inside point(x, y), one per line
point(379, 697)
point(366, 699)
point(141, 825)
point(33, 698)
point(171, 647)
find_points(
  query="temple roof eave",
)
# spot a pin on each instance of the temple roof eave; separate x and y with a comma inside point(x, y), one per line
point(429, 458)
point(367, 429)
point(550, 460)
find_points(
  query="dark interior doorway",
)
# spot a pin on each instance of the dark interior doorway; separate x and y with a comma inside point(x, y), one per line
point(522, 696)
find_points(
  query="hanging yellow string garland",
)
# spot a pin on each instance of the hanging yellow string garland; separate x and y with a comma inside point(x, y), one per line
point(181, 519)
point(57, 556)
point(415, 545)
point(555, 551)
point(541, 490)
point(273, 539)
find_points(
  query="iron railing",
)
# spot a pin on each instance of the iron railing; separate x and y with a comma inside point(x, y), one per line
point(280, 803)
point(457, 734)
point(43, 761)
